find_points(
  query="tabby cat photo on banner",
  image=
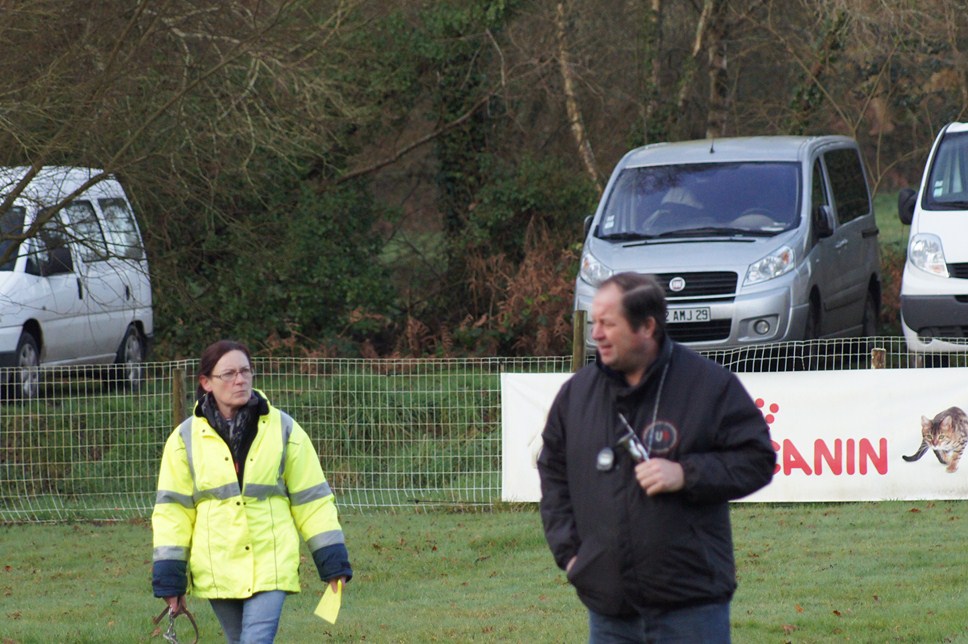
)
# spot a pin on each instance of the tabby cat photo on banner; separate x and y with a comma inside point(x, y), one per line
point(945, 435)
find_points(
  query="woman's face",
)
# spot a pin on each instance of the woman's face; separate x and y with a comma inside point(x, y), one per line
point(230, 383)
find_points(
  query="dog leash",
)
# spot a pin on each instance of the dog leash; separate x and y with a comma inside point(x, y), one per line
point(169, 635)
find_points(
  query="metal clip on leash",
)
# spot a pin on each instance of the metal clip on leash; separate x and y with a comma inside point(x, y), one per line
point(170, 635)
point(630, 441)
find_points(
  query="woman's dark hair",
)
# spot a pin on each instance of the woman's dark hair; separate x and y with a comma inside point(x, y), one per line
point(212, 354)
point(642, 298)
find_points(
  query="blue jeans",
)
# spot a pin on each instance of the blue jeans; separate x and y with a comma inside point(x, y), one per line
point(705, 624)
point(250, 621)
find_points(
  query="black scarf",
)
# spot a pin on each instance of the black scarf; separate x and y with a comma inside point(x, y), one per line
point(237, 433)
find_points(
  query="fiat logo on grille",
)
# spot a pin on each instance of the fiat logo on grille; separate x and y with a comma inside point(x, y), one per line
point(676, 284)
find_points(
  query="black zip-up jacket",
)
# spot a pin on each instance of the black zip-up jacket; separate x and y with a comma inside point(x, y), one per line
point(635, 551)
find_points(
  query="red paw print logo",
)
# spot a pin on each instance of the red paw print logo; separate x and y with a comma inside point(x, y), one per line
point(769, 416)
point(768, 412)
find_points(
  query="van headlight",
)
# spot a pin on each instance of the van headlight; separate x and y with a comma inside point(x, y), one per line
point(925, 252)
point(773, 265)
point(593, 271)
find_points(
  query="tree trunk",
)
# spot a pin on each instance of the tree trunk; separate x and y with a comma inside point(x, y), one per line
point(653, 66)
point(571, 101)
point(689, 69)
point(808, 96)
point(718, 78)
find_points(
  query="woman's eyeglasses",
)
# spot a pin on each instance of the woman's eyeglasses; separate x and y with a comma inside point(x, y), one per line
point(232, 374)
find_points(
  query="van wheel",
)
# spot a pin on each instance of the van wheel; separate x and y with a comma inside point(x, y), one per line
point(25, 380)
point(130, 361)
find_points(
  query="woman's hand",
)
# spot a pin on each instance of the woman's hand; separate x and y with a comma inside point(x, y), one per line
point(176, 605)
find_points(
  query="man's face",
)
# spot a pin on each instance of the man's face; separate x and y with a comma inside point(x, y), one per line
point(619, 346)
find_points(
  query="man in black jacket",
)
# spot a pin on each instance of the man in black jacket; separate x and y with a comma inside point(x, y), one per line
point(642, 452)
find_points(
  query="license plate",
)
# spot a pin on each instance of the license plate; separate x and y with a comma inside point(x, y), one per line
point(692, 314)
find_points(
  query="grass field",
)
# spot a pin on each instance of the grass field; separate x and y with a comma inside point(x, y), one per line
point(886, 572)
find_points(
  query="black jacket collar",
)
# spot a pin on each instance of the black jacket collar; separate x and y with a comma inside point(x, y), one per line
point(661, 360)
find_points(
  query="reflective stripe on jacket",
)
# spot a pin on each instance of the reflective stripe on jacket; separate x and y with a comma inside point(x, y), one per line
point(240, 542)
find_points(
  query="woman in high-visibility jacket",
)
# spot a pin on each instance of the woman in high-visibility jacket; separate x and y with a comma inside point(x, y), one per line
point(239, 482)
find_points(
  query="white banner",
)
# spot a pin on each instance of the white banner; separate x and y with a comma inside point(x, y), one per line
point(839, 435)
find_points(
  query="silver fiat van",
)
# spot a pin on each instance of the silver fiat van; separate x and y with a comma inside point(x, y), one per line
point(74, 282)
point(758, 239)
point(934, 286)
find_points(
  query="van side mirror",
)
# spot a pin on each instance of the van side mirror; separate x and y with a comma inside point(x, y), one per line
point(59, 262)
point(907, 198)
point(823, 221)
point(588, 225)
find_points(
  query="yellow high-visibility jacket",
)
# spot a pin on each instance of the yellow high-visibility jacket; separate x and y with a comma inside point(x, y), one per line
point(236, 542)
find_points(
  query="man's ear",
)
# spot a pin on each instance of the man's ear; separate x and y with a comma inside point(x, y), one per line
point(648, 327)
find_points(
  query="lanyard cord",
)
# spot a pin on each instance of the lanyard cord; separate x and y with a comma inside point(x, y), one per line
point(655, 409)
point(642, 451)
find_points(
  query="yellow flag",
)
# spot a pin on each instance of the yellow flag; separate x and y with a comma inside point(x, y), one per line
point(328, 607)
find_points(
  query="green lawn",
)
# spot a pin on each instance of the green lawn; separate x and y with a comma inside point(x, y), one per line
point(893, 239)
point(892, 231)
point(808, 573)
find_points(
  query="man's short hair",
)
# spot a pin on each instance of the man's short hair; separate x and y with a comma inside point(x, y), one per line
point(642, 298)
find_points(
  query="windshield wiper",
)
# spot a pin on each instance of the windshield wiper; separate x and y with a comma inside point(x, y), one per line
point(707, 231)
point(626, 236)
point(713, 231)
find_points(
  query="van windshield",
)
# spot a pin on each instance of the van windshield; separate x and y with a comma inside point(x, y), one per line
point(947, 187)
point(11, 228)
point(710, 199)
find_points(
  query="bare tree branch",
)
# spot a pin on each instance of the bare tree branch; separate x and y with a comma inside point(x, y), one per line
point(402, 152)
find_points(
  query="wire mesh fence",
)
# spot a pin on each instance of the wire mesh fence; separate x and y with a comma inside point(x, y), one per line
point(389, 433)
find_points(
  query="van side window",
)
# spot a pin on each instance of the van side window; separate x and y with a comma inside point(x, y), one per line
point(52, 254)
point(848, 184)
point(11, 227)
point(36, 256)
point(90, 238)
point(818, 199)
point(121, 229)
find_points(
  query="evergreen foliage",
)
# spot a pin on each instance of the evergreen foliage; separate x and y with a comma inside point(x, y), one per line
point(403, 178)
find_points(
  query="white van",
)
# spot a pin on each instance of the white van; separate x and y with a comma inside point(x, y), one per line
point(74, 284)
point(934, 285)
point(758, 239)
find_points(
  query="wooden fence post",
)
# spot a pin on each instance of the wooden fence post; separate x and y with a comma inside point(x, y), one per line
point(578, 340)
point(878, 358)
point(177, 396)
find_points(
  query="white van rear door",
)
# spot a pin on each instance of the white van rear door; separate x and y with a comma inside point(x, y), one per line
point(125, 247)
point(103, 282)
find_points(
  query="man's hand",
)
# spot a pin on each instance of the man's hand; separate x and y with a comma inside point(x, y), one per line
point(658, 475)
